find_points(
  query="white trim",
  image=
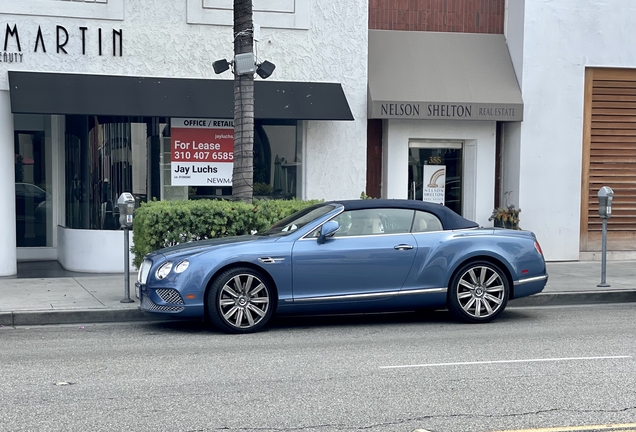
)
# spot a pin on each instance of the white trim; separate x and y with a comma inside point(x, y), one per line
point(220, 12)
point(469, 180)
point(58, 192)
point(37, 253)
point(434, 144)
point(528, 280)
point(303, 125)
point(371, 295)
point(109, 10)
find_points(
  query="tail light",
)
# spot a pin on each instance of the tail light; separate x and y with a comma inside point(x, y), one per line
point(538, 247)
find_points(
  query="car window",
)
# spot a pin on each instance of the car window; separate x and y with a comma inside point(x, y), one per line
point(34, 191)
point(298, 220)
point(426, 222)
point(374, 222)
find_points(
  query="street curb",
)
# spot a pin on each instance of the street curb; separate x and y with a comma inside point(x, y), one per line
point(575, 298)
point(82, 316)
point(88, 316)
point(6, 318)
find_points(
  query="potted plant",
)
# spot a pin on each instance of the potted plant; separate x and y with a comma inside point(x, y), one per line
point(506, 217)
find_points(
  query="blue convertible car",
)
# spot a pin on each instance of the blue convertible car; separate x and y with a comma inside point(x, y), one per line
point(346, 256)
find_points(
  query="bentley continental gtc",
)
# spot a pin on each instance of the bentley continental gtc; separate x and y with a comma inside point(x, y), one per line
point(346, 256)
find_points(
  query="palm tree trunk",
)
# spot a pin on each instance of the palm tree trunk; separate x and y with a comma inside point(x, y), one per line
point(243, 172)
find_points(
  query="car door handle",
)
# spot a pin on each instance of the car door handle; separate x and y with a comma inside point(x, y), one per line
point(403, 247)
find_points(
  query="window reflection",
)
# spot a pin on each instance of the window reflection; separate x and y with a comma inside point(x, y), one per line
point(105, 156)
point(442, 155)
point(32, 183)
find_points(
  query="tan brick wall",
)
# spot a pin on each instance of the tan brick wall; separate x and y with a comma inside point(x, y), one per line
point(465, 16)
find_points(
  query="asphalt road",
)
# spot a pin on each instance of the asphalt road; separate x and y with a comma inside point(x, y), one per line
point(534, 367)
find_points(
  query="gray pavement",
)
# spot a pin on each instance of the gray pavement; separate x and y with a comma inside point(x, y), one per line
point(97, 298)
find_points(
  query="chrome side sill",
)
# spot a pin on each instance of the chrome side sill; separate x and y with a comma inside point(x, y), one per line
point(532, 279)
point(370, 295)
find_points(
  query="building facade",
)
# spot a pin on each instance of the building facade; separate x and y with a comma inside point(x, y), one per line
point(576, 65)
point(441, 88)
point(563, 72)
point(93, 94)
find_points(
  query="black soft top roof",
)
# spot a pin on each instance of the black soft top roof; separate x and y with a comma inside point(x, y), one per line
point(450, 220)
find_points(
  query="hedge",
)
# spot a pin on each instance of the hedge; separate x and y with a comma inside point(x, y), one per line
point(160, 224)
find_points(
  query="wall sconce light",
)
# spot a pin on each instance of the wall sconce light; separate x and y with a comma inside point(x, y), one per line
point(265, 69)
point(220, 66)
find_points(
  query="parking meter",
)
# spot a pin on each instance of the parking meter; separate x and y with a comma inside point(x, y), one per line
point(605, 196)
point(126, 204)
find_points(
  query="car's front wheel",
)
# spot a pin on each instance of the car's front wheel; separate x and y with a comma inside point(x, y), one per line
point(478, 292)
point(240, 300)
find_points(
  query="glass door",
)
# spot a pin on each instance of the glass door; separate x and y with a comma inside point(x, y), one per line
point(33, 190)
point(435, 172)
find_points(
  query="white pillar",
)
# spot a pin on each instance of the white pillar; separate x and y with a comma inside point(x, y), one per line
point(8, 258)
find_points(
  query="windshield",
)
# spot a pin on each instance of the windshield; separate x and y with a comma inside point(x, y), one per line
point(299, 220)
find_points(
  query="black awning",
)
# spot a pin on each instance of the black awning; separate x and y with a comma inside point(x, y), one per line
point(59, 93)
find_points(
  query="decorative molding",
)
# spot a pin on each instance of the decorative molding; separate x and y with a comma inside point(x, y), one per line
point(92, 9)
point(289, 14)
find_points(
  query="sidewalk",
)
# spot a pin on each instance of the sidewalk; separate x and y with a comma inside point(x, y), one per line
point(96, 298)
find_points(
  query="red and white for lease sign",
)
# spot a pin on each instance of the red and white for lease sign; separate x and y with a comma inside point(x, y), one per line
point(202, 152)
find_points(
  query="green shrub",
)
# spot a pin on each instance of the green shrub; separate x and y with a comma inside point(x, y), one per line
point(160, 224)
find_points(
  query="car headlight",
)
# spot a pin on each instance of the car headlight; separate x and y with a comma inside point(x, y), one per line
point(144, 270)
point(163, 270)
point(182, 266)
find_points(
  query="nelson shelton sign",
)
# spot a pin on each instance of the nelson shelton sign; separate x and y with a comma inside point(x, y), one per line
point(447, 111)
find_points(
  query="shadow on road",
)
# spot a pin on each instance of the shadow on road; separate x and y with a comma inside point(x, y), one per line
point(425, 318)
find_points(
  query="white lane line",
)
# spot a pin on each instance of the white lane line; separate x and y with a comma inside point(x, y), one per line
point(505, 361)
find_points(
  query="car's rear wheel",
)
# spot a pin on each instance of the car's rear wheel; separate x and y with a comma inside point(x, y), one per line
point(240, 300)
point(479, 292)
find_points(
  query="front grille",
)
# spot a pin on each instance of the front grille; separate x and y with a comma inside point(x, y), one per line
point(149, 305)
point(170, 295)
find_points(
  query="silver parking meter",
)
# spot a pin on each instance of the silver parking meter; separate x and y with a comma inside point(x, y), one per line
point(126, 204)
point(605, 197)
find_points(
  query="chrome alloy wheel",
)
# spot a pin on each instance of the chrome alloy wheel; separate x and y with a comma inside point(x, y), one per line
point(481, 291)
point(244, 301)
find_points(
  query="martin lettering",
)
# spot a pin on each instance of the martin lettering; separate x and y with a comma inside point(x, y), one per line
point(66, 40)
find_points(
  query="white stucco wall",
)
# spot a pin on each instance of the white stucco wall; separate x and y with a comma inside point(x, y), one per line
point(92, 251)
point(158, 41)
point(321, 40)
point(511, 150)
point(513, 31)
point(8, 264)
point(560, 40)
point(479, 159)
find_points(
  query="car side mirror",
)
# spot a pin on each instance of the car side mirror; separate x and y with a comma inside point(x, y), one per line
point(329, 229)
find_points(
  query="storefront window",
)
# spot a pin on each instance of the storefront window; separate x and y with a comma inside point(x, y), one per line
point(277, 165)
point(444, 155)
point(33, 181)
point(106, 156)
